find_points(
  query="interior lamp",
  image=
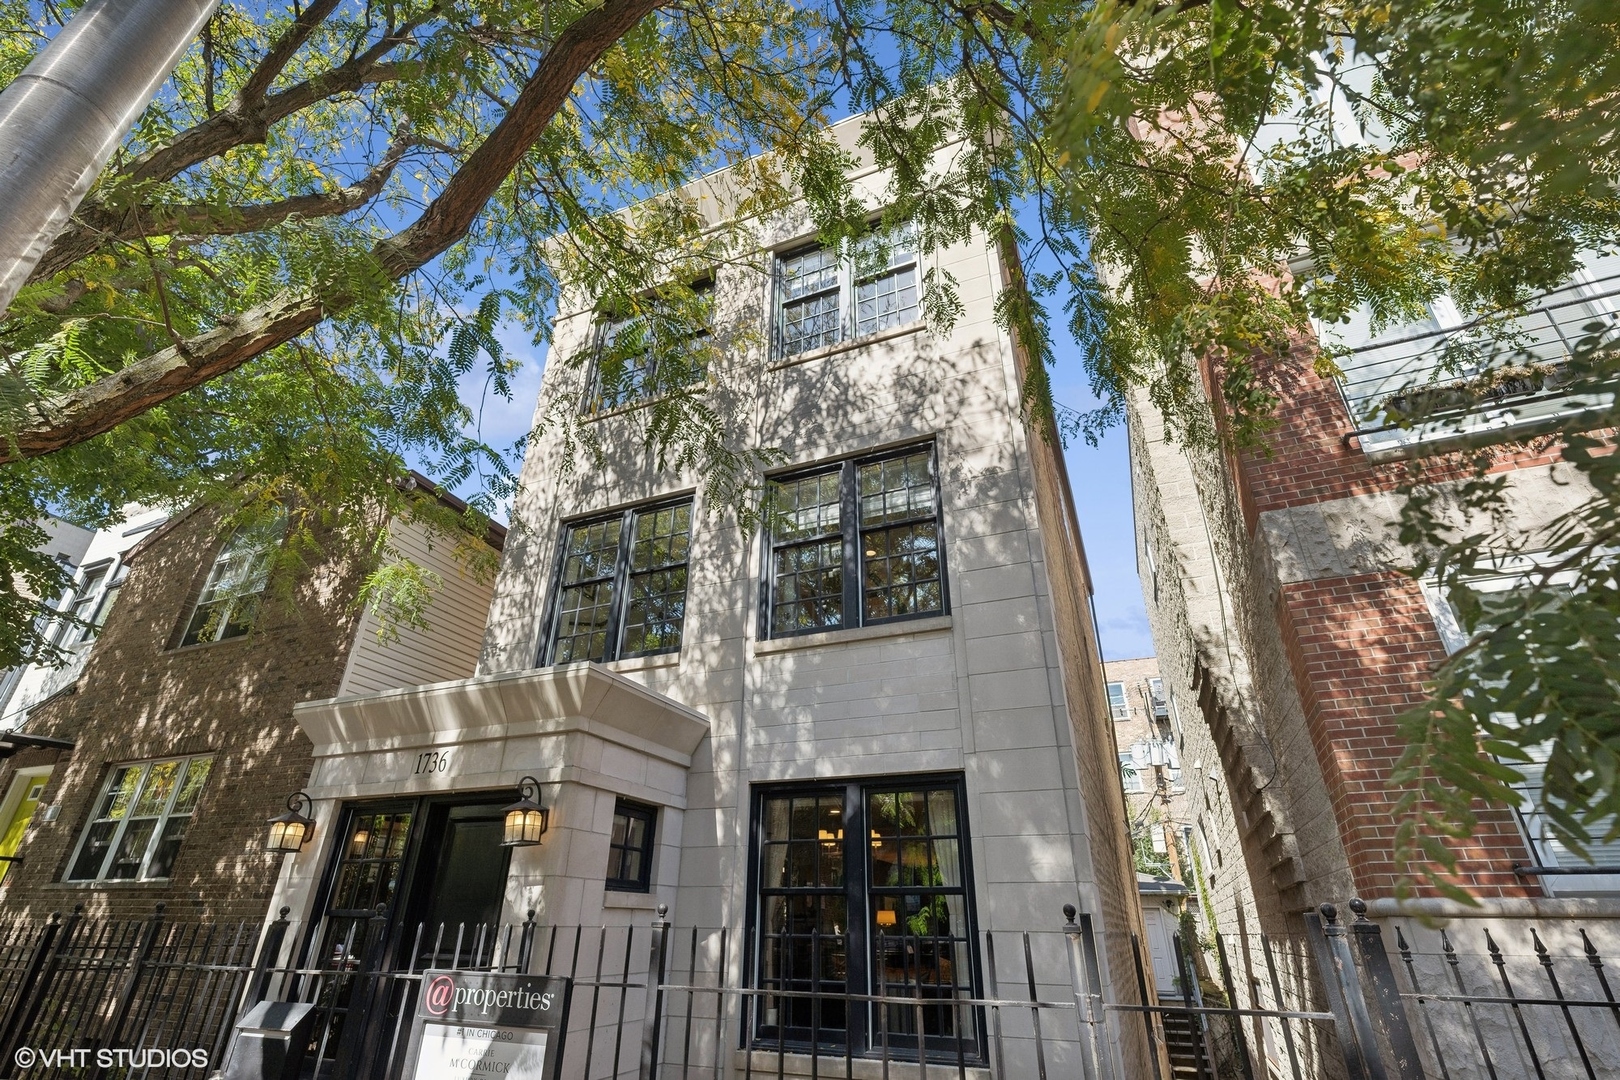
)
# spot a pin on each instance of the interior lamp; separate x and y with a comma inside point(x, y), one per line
point(526, 819)
point(289, 832)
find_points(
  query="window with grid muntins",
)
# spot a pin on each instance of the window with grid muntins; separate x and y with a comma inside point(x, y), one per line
point(824, 297)
point(590, 558)
point(630, 848)
point(887, 296)
point(622, 588)
point(863, 887)
point(631, 367)
point(899, 538)
point(141, 820)
point(230, 599)
point(855, 543)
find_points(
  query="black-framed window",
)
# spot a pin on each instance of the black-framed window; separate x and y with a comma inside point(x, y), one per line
point(825, 295)
point(630, 848)
point(621, 587)
point(855, 543)
point(635, 361)
point(862, 888)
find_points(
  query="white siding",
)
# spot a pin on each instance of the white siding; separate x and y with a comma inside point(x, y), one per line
point(448, 650)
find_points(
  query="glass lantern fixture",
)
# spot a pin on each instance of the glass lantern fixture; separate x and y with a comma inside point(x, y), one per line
point(526, 819)
point(289, 832)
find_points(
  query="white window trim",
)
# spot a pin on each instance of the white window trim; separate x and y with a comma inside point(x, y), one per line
point(1122, 710)
point(117, 837)
point(1503, 576)
point(231, 602)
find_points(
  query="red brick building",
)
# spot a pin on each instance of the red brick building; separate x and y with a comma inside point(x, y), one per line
point(1275, 586)
point(163, 759)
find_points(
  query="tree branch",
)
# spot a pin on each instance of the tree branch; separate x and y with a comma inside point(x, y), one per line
point(202, 219)
point(68, 419)
point(218, 134)
point(281, 53)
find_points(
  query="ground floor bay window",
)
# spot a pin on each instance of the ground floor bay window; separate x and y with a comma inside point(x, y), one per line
point(863, 888)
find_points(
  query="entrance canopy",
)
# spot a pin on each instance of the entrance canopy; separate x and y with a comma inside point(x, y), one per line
point(582, 698)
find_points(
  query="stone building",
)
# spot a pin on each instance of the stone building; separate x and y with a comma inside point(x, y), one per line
point(907, 650)
point(147, 770)
point(1291, 637)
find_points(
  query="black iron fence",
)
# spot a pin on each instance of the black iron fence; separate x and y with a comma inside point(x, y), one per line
point(656, 1001)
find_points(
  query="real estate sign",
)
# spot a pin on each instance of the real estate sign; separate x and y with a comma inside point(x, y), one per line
point(473, 1025)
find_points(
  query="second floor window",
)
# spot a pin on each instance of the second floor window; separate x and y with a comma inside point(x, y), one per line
point(230, 598)
point(140, 821)
point(855, 543)
point(824, 297)
point(622, 591)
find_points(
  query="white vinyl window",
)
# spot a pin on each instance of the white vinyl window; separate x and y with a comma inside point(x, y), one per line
point(1118, 707)
point(88, 602)
point(141, 819)
point(824, 296)
point(1129, 777)
point(230, 600)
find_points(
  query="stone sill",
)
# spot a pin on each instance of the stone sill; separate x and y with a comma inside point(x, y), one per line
point(1437, 907)
point(831, 1063)
point(904, 628)
point(640, 901)
point(646, 663)
point(849, 346)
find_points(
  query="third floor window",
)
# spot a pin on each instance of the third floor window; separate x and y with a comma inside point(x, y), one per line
point(622, 585)
point(641, 357)
point(827, 295)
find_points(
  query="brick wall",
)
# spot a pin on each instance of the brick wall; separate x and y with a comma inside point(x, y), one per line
point(1364, 646)
point(1308, 458)
point(139, 699)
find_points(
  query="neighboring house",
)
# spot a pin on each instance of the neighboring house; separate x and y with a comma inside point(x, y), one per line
point(147, 774)
point(1292, 638)
point(98, 577)
point(898, 684)
point(1147, 731)
point(67, 543)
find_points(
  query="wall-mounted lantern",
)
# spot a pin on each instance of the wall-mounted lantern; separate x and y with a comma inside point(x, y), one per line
point(289, 832)
point(526, 819)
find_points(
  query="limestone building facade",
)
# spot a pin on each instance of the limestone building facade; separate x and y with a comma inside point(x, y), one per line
point(893, 678)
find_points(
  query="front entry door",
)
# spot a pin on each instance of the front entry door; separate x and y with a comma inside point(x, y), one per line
point(456, 908)
point(414, 884)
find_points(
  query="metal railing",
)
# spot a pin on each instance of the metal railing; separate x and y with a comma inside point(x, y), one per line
point(1488, 374)
point(655, 1001)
